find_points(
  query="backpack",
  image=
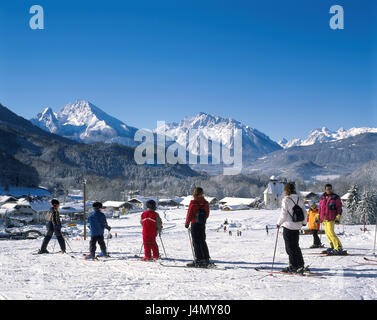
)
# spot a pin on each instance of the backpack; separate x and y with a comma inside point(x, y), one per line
point(297, 212)
point(201, 216)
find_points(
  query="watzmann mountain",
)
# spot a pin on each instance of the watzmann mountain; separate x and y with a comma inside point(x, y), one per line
point(84, 122)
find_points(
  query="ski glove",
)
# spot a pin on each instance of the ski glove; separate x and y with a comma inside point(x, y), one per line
point(187, 226)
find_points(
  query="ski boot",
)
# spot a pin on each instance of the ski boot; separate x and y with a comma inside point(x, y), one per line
point(103, 255)
point(90, 256)
point(43, 251)
point(288, 270)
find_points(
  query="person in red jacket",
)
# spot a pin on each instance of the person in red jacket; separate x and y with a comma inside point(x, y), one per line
point(197, 215)
point(152, 224)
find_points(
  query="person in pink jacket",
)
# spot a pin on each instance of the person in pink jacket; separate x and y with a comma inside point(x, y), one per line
point(330, 210)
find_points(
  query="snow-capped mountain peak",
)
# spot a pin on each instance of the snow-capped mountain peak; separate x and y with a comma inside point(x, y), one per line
point(325, 135)
point(83, 121)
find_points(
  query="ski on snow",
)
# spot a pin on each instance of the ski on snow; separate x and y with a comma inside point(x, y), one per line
point(305, 274)
point(214, 267)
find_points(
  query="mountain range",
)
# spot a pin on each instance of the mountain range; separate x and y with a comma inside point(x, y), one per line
point(324, 154)
point(84, 122)
point(325, 135)
point(32, 156)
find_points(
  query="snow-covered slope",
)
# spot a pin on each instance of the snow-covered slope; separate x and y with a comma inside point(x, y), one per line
point(85, 122)
point(57, 276)
point(215, 128)
point(325, 135)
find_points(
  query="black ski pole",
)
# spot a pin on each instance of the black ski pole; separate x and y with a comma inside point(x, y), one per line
point(276, 242)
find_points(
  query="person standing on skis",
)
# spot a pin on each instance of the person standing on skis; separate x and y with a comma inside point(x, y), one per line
point(97, 223)
point(314, 225)
point(197, 215)
point(53, 225)
point(330, 210)
point(152, 225)
point(290, 208)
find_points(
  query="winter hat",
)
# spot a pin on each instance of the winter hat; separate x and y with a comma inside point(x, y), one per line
point(54, 202)
point(151, 204)
point(97, 205)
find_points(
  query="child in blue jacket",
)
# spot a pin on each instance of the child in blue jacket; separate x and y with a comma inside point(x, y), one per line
point(97, 224)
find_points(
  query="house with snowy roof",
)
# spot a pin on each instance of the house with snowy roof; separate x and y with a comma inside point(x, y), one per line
point(213, 202)
point(141, 202)
point(232, 203)
point(117, 205)
point(273, 193)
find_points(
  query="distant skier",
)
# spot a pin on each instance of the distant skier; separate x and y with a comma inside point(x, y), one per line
point(97, 224)
point(53, 226)
point(197, 215)
point(152, 225)
point(314, 225)
point(292, 208)
point(230, 232)
point(330, 210)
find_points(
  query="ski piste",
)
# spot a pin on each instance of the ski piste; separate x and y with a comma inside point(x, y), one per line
point(305, 274)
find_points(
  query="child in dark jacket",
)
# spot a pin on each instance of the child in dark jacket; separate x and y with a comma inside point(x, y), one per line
point(152, 225)
point(97, 224)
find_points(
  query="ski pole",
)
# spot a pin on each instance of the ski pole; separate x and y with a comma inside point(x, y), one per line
point(163, 246)
point(374, 247)
point(192, 247)
point(53, 248)
point(276, 242)
point(141, 248)
point(69, 246)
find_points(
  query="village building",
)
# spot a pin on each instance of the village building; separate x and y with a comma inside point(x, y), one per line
point(273, 193)
point(232, 203)
point(141, 202)
point(213, 202)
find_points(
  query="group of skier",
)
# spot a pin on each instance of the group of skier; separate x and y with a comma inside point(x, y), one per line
point(292, 218)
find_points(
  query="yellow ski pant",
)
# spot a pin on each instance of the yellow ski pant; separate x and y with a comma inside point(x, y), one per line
point(330, 234)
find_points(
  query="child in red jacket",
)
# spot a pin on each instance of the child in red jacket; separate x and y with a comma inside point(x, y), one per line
point(152, 225)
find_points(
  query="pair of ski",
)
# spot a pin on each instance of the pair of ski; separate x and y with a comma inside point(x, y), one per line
point(305, 274)
point(211, 266)
point(370, 262)
point(328, 254)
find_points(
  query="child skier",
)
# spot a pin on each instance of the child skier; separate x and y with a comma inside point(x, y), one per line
point(53, 226)
point(97, 224)
point(314, 225)
point(152, 225)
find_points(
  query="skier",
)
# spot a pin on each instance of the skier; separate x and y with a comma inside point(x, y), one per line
point(97, 224)
point(197, 215)
point(152, 225)
point(53, 226)
point(314, 225)
point(290, 209)
point(330, 210)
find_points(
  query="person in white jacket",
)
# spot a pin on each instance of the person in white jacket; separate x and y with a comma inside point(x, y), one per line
point(291, 229)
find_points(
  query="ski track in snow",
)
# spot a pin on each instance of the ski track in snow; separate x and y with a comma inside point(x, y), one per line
point(55, 276)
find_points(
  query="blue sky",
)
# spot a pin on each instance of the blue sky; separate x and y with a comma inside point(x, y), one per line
point(274, 66)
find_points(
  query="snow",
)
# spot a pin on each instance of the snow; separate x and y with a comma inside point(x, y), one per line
point(325, 135)
point(56, 276)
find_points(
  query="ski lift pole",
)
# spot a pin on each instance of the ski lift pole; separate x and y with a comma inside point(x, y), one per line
point(375, 234)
